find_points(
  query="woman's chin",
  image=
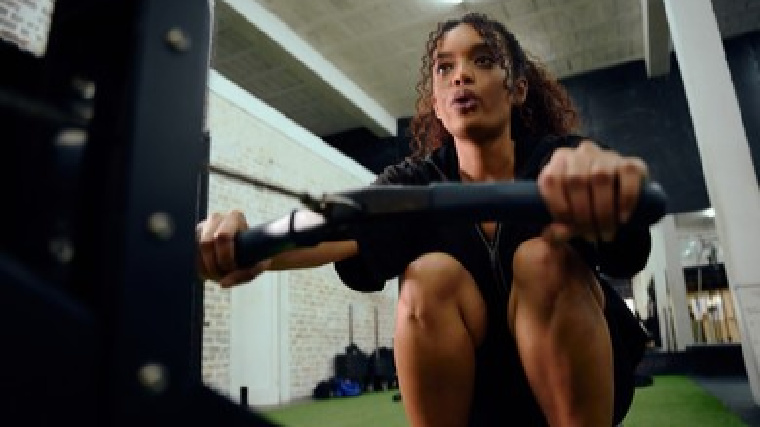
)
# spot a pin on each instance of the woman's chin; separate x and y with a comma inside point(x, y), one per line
point(476, 130)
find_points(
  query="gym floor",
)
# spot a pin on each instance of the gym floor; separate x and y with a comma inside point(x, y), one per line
point(734, 392)
point(672, 400)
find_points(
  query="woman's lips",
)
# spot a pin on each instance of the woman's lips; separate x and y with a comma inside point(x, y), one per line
point(465, 103)
point(464, 100)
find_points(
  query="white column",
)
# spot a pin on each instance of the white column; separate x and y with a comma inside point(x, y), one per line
point(675, 287)
point(655, 271)
point(656, 38)
point(727, 165)
point(255, 340)
point(283, 335)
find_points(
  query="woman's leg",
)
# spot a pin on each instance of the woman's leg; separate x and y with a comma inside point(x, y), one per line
point(440, 321)
point(556, 316)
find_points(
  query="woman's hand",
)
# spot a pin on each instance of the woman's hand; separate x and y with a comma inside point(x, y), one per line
point(216, 250)
point(590, 191)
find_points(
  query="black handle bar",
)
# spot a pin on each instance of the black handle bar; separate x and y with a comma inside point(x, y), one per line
point(516, 201)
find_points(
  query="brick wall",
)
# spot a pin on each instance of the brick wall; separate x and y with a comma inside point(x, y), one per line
point(216, 337)
point(319, 325)
point(248, 136)
point(26, 23)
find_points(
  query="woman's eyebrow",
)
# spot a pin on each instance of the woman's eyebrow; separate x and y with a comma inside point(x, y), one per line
point(478, 47)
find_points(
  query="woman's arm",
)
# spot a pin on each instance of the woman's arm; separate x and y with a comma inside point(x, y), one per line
point(216, 249)
point(323, 253)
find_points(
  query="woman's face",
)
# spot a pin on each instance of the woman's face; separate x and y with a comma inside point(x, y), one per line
point(469, 94)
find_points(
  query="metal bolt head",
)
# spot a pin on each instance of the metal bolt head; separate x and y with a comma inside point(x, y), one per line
point(160, 224)
point(85, 88)
point(178, 40)
point(154, 377)
point(62, 250)
point(71, 137)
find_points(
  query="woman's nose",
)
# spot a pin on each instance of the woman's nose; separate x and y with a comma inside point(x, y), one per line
point(462, 76)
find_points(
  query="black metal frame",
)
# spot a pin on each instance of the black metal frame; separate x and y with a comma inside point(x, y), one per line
point(98, 293)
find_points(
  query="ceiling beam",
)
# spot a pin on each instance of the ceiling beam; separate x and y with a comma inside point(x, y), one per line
point(656, 38)
point(375, 117)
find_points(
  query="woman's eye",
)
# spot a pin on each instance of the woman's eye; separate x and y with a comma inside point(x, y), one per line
point(485, 61)
point(443, 68)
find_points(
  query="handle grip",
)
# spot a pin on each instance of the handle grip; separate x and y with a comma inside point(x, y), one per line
point(652, 206)
point(256, 244)
point(521, 201)
point(518, 201)
point(263, 241)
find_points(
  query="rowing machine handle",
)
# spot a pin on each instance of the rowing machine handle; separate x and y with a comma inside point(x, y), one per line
point(293, 231)
point(520, 201)
point(652, 206)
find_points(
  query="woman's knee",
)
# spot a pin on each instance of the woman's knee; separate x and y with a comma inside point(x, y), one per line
point(546, 268)
point(436, 284)
point(433, 277)
point(541, 261)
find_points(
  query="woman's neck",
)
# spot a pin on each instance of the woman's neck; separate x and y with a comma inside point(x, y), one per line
point(492, 161)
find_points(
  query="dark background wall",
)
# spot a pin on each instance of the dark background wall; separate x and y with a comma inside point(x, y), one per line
point(648, 118)
point(635, 115)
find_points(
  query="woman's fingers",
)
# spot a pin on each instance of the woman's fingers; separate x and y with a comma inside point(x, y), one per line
point(551, 185)
point(224, 240)
point(631, 176)
point(241, 276)
point(578, 190)
point(216, 244)
point(205, 231)
point(590, 191)
point(603, 183)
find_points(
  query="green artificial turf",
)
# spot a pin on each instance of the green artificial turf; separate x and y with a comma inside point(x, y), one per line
point(677, 401)
point(367, 410)
point(672, 401)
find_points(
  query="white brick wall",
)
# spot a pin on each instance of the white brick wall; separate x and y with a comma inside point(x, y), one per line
point(216, 337)
point(249, 136)
point(26, 23)
point(320, 324)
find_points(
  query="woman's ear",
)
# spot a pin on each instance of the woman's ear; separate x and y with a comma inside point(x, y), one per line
point(520, 91)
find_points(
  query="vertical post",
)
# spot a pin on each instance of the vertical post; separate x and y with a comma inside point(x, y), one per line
point(244, 396)
point(350, 324)
point(137, 230)
point(657, 266)
point(198, 315)
point(726, 161)
point(656, 38)
point(678, 313)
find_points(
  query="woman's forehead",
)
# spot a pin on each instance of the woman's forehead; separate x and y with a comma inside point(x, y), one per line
point(462, 36)
point(465, 37)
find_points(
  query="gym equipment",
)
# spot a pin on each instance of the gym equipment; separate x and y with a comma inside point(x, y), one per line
point(518, 201)
point(101, 173)
point(353, 365)
point(381, 374)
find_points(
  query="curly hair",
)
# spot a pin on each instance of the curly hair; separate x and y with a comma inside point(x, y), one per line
point(547, 108)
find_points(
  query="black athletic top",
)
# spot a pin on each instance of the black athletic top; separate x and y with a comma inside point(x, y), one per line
point(501, 388)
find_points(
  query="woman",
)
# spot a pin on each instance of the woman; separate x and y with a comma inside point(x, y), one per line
point(496, 322)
